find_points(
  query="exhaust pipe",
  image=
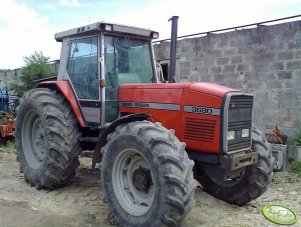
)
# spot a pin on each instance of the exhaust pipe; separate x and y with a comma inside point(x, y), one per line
point(173, 49)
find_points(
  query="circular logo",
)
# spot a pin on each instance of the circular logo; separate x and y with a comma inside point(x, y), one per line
point(280, 214)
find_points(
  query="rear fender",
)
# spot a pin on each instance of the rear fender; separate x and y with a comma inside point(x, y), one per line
point(65, 88)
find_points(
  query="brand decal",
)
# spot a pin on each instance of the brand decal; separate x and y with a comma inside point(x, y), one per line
point(202, 110)
point(135, 104)
point(159, 106)
point(280, 214)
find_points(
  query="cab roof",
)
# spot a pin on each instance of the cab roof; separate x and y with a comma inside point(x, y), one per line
point(108, 27)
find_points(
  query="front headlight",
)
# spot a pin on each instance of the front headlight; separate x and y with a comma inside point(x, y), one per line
point(245, 133)
point(231, 135)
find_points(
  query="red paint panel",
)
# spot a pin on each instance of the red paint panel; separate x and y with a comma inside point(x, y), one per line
point(67, 91)
point(151, 93)
point(169, 119)
point(153, 86)
point(198, 96)
point(156, 93)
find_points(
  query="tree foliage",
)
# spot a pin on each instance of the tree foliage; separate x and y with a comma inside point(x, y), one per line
point(36, 68)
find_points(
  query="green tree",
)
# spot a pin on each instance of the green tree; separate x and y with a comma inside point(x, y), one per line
point(36, 68)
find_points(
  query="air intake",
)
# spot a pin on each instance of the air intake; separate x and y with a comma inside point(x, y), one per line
point(200, 130)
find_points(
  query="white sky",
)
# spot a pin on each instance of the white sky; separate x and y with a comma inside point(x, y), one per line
point(29, 25)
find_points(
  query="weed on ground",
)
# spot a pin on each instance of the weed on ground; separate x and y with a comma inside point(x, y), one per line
point(8, 147)
point(296, 167)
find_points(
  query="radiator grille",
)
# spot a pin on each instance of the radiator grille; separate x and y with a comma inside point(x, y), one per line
point(241, 101)
point(240, 117)
point(200, 130)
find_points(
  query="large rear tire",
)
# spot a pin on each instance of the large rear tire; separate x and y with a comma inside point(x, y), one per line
point(252, 184)
point(147, 176)
point(47, 138)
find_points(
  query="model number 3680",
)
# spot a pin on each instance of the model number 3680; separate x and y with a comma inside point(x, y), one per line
point(202, 110)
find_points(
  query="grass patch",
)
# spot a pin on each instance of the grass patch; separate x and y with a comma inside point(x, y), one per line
point(297, 139)
point(8, 147)
point(296, 167)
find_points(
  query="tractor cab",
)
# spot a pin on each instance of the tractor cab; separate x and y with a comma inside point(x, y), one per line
point(99, 57)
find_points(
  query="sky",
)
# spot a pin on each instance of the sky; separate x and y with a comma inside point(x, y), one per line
point(29, 25)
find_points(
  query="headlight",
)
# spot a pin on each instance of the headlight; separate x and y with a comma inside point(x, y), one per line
point(245, 133)
point(231, 135)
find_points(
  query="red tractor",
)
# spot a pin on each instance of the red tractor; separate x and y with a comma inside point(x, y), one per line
point(151, 138)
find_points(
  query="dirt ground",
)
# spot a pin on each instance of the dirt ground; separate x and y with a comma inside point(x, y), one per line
point(80, 202)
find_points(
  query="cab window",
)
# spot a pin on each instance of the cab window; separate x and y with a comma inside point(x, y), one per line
point(82, 67)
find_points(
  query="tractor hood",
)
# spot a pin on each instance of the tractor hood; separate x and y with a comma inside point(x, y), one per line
point(184, 107)
point(203, 87)
point(210, 88)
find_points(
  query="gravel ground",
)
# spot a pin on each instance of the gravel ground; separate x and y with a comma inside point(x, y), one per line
point(80, 202)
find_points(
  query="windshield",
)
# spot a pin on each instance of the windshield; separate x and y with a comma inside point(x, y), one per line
point(127, 61)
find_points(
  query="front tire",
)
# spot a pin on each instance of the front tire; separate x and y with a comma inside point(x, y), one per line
point(252, 184)
point(147, 176)
point(47, 138)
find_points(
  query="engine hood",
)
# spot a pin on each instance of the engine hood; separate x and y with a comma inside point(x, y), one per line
point(210, 88)
point(203, 87)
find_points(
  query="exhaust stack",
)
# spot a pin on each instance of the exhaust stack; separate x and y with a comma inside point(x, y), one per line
point(173, 49)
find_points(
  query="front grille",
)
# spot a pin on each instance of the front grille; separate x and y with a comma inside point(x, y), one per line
point(240, 117)
point(200, 130)
point(241, 101)
point(237, 145)
point(232, 126)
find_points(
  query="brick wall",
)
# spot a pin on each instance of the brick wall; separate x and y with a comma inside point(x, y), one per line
point(265, 61)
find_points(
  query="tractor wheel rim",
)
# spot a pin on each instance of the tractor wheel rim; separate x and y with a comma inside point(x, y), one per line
point(33, 140)
point(133, 182)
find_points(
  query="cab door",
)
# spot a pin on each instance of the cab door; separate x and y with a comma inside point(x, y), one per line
point(84, 72)
point(127, 60)
point(111, 70)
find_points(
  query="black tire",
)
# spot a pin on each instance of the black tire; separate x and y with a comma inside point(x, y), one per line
point(254, 182)
point(47, 138)
point(168, 174)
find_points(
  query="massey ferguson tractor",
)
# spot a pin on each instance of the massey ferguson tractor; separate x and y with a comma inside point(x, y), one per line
point(151, 138)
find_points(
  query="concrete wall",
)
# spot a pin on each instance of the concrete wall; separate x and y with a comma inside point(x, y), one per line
point(9, 77)
point(265, 61)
